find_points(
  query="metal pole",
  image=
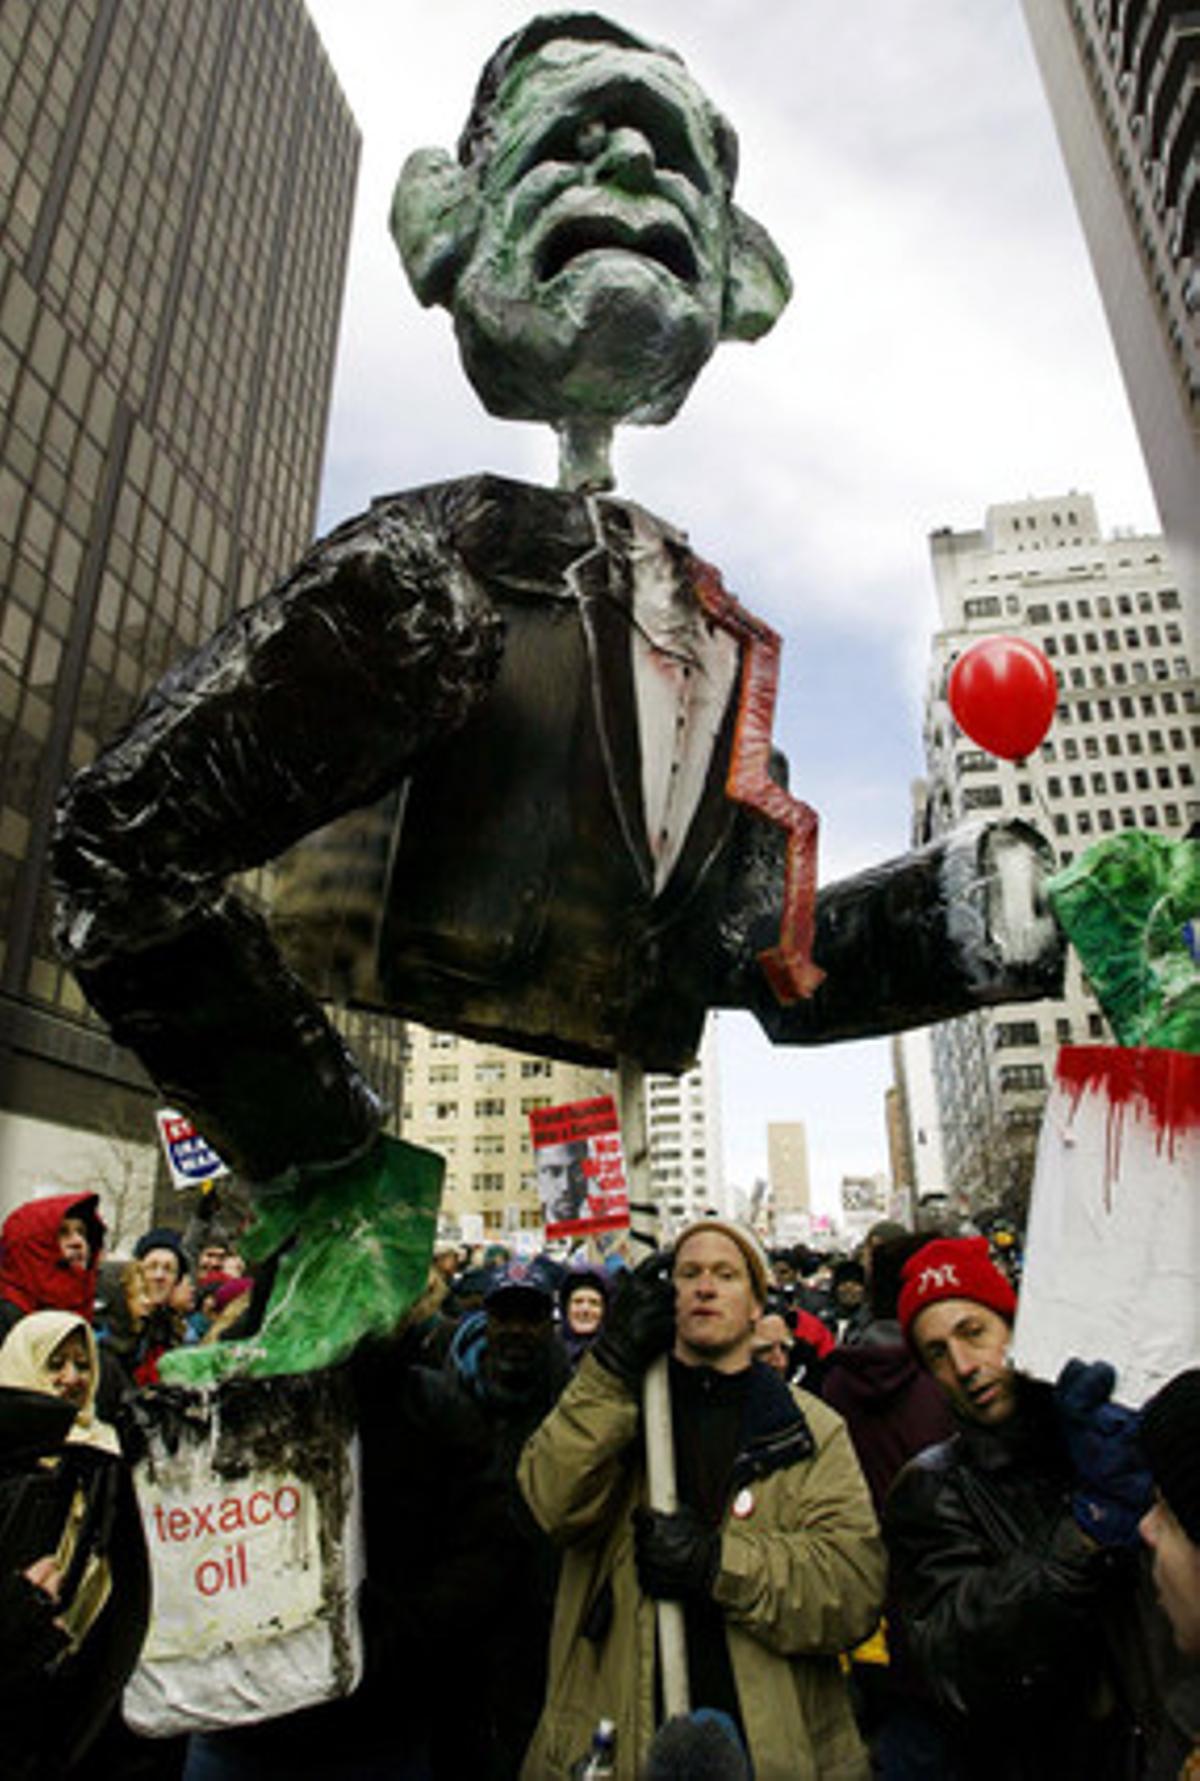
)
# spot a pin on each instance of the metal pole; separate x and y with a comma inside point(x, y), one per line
point(656, 1387)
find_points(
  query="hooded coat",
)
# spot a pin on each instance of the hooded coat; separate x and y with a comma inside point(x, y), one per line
point(581, 1274)
point(800, 1580)
point(33, 1274)
point(65, 1492)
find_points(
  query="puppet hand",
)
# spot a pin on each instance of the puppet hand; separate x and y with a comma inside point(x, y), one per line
point(677, 1555)
point(641, 1324)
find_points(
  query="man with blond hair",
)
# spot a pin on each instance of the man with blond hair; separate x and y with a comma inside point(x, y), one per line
point(773, 1552)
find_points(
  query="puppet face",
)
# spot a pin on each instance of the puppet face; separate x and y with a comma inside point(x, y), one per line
point(596, 280)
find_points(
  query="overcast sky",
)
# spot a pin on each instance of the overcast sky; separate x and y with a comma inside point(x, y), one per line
point(945, 348)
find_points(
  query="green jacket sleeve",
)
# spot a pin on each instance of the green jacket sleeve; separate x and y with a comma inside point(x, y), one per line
point(807, 1573)
point(576, 1461)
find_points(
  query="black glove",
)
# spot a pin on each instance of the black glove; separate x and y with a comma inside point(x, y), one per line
point(677, 1555)
point(1114, 1487)
point(641, 1324)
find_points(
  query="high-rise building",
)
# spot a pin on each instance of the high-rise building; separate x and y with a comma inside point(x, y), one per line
point(176, 184)
point(683, 1136)
point(1123, 752)
point(1123, 81)
point(788, 1178)
point(471, 1103)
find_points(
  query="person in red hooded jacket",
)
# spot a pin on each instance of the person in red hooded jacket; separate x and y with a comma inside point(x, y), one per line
point(49, 1257)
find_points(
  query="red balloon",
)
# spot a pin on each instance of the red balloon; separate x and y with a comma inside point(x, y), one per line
point(1002, 692)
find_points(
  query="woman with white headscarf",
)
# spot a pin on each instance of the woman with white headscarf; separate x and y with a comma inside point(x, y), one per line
point(74, 1590)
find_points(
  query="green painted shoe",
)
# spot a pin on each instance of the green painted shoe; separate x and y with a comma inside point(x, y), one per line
point(354, 1244)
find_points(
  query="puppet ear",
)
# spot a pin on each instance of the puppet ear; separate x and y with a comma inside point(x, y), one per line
point(435, 210)
point(758, 284)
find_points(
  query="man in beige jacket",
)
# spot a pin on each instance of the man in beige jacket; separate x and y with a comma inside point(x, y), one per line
point(774, 1552)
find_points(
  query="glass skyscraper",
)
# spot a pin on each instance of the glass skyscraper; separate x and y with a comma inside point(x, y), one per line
point(176, 187)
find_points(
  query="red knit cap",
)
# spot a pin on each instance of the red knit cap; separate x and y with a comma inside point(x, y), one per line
point(953, 1268)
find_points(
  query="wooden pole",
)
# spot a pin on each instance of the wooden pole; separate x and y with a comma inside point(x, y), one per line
point(656, 1387)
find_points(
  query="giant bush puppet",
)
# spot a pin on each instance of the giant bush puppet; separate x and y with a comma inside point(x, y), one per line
point(559, 710)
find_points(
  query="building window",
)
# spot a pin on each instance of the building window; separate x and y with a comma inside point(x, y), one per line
point(979, 797)
point(1015, 1032)
point(1022, 1076)
point(490, 1108)
point(535, 1066)
point(988, 606)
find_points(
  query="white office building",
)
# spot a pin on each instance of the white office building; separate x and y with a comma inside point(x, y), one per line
point(1122, 752)
point(683, 1132)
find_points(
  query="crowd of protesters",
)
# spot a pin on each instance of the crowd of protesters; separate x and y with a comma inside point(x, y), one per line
point(894, 1555)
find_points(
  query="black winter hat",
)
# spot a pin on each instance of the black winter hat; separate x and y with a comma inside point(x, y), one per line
point(163, 1237)
point(1171, 1440)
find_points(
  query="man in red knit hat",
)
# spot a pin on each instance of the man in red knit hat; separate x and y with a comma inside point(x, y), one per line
point(1013, 1544)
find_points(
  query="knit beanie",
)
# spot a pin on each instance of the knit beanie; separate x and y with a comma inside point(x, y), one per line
point(163, 1237)
point(1170, 1436)
point(953, 1268)
point(747, 1242)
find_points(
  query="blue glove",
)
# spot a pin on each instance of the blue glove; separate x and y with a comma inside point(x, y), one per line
point(1113, 1488)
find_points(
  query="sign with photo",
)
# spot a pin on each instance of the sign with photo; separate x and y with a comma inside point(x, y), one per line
point(580, 1167)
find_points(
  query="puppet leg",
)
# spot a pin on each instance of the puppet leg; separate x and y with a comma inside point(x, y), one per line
point(310, 703)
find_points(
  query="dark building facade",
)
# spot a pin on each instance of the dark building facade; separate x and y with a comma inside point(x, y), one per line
point(176, 188)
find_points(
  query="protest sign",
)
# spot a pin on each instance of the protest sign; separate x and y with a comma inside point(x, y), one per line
point(1112, 1258)
point(190, 1158)
point(580, 1167)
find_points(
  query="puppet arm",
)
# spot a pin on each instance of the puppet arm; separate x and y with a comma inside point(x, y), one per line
point(312, 702)
point(959, 924)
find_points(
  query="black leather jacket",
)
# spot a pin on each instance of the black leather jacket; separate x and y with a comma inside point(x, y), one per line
point(1010, 1616)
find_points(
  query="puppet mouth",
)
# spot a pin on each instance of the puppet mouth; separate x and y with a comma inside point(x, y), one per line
point(666, 245)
